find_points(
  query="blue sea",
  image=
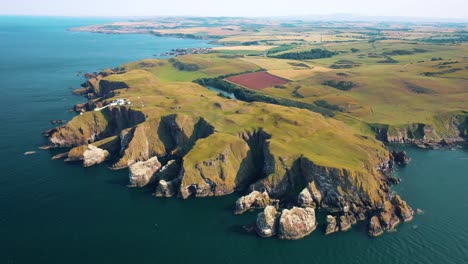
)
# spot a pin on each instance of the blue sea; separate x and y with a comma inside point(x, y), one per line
point(52, 212)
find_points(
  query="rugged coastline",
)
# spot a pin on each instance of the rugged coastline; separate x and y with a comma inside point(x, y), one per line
point(300, 135)
point(159, 150)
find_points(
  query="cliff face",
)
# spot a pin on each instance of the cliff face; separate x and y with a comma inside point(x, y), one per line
point(217, 165)
point(444, 128)
point(93, 126)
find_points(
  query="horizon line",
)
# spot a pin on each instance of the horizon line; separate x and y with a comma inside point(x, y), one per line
point(354, 17)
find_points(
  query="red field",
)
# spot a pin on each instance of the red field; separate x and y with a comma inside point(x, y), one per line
point(257, 80)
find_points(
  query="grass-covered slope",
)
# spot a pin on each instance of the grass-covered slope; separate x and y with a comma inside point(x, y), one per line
point(227, 145)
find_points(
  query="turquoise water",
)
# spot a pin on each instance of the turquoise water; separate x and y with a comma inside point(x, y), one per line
point(51, 212)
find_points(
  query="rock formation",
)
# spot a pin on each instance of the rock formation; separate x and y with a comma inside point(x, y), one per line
point(374, 228)
point(402, 209)
point(167, 188)
point(94, 155)
point(332, 226)
point(346, 222)
point(143, 172)
point(267, 222)
point(296, 223)
point(304, 199)
point(400, 157)
point(254, 199)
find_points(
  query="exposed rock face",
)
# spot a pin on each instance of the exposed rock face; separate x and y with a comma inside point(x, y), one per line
point(143, 172)
point(374, 228)
point(219, 172)
point(254, 199)
point(304, 199)
point(401, 157)
point(388, 217)
point(167, 188)
point(346, 222)
point(296, 223)
point(332, 226)
point(94, 155)
point(453, 128)
point(93, 126)
point(267, 222)
point(169, 171)
point(141, 143)
point(402, 209)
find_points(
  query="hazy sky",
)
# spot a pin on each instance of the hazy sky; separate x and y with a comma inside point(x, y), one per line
point(417, 8)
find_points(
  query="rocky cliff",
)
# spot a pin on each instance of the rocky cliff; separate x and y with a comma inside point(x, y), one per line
point(186, 141)
point(440, 131)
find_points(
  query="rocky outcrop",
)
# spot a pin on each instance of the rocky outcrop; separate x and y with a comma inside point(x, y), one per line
point(227, 167)
point(402, 209)
point(169, 171)
point(374, 227)
point(296, 223)
point(267, 222)
point(388, 218)
point(143, 172)
point(94, 126)
point(400, 157)
point(446, 129)
point(332, 226)
point(167, 188)
point(254, 199)
point(304, 199)
point(141, 143)
point(94, 155)
point(347, 221)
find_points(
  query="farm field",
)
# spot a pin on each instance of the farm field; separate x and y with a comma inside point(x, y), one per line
point(257, 80)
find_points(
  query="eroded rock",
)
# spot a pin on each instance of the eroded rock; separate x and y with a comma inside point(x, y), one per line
point(143, 172)
point(255, 199)
point(94, 155)
point(375, 228)
point(304, 199)
point(400, 157)
point(332, 226)
point(167, 188)
point(402, 209)
point(347, 221)
point(267, 222)
point(296, 223)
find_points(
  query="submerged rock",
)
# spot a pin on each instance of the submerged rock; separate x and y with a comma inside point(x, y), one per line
point(296, 223)
point(267, 222)
point(143, 172)
point(255, 199)
point(332, 226)
point(375, 228)
point(94, 155)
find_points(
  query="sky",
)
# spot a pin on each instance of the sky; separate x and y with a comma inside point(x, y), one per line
point(451, 9)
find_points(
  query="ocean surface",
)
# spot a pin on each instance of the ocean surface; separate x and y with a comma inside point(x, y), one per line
point(52, 212)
